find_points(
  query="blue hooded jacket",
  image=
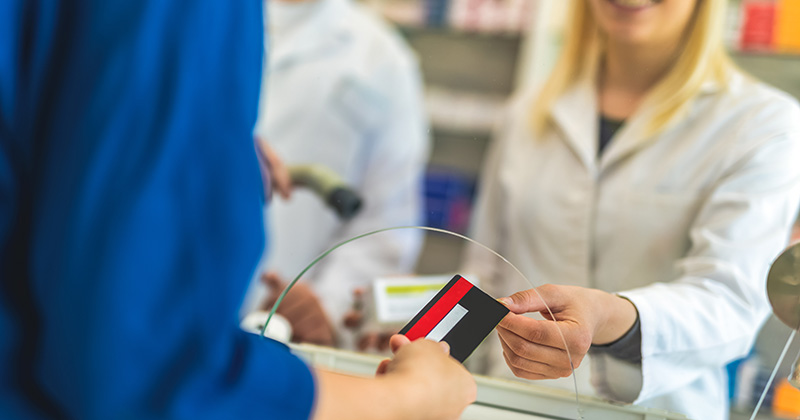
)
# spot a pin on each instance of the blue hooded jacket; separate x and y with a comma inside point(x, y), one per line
point(130, 214)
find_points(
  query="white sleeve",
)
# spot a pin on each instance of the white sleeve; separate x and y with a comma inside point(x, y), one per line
point(391, 189)
point(710, 315)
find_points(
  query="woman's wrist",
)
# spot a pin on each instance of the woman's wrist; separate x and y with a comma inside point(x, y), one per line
point(618, 316)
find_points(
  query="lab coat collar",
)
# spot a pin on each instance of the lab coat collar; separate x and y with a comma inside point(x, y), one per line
point(322, 30)
point(576, 114)
point(634, 136)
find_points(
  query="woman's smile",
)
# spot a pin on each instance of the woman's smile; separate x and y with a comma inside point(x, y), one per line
point(634, 5)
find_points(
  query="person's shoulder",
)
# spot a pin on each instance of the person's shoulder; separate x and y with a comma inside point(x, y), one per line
point(751, 116)
point(377, 40)
point(758, 104)
point(745, 113)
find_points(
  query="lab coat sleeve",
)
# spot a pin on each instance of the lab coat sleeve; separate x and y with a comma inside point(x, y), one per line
point(710, 315)
point(135, 168)
point(391, 188)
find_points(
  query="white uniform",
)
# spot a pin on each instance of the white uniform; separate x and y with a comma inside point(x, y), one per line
point(343, 90)
point(684, 224)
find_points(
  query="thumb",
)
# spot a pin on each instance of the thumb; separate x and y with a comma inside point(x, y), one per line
point(273, 281)
point(397, 341)
point(525, 301)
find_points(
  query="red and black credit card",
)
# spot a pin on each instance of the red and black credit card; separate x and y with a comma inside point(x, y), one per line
point(460, 314)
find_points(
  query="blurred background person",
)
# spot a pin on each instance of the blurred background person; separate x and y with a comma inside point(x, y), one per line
point(341, 90)
point(649, 166)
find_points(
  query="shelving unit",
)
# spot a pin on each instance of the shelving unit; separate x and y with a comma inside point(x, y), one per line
point(477, 64)
point(779, 70)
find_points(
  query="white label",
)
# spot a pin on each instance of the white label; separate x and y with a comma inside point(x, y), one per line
point(398, 299)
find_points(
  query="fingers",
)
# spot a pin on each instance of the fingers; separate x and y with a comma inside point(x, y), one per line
point(273, 281)
point(524, 374)
point(383, 367)
point(531, 300)
point(532, 361)
point(534, 351)
point(397, 341)
point(275, 285)
point(281, 179)
point(537, 331)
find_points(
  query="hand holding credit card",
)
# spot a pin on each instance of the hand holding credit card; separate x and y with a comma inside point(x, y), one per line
point(460, 314)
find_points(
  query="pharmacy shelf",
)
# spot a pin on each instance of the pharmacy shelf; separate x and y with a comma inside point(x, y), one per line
point(480, 63)
point(474, 64)
point(477, 134)
point(460, 32)
point(781, 71)
point(766, 54)
point(463, 154)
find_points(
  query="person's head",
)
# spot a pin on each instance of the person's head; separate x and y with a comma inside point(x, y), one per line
point(695, 25)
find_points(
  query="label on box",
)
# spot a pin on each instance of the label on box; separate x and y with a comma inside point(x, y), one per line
point(398, 298)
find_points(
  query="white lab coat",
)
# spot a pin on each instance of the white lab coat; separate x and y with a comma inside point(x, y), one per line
point(343, 90)
point(684, 224)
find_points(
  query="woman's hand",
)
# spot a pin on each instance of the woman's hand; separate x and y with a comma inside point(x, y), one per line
point(535, 349)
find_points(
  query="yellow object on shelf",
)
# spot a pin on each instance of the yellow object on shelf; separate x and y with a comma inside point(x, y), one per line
point(786, 401)
point(787, 26)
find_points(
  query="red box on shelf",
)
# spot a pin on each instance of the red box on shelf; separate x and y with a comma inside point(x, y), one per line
point(758, 26)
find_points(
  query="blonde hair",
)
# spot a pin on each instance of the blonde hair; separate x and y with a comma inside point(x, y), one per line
point(703, 58)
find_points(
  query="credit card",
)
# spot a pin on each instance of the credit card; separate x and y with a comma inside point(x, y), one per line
point(460, 314)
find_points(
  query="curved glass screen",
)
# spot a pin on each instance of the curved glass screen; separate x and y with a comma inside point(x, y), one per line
point(449, 295)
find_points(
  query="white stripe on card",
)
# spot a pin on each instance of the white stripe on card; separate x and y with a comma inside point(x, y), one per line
point(447, 323)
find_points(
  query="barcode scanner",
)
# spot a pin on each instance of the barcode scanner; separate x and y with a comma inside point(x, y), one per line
point(331, 188)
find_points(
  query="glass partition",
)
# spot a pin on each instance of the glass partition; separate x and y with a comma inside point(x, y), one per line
point(370, 309)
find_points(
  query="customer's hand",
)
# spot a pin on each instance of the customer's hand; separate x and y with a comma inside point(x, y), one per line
point(302, 309)
point(274, 172)
point(536, 349)
point(441, 384)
